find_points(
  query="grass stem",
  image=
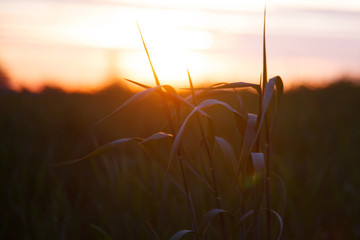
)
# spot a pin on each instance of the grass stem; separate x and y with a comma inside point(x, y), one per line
point(211, 160)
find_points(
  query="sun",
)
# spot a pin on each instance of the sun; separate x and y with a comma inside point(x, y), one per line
point(171, 53)
point(170, 66)
point(173, 45)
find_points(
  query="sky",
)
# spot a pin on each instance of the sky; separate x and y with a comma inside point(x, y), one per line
point(84, 44)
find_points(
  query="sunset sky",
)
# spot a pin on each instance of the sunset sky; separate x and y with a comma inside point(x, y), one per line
point(81, 44)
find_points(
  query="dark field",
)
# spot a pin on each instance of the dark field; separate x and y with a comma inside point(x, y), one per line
point(314, 149)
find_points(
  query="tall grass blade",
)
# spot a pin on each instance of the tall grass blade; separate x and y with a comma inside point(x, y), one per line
point(155, 234)
point(192, 89)
point(268, 93)
point(239, 222)
point(209, 216)
point(281, 222)
point(180, 100)
point(258, 162)
point(104, 234)
point(251, 212)
point(180, 234)
point(243, 217)
point(238, 85)
point(171, 94)
point(240, 101)
point(209, 142)
point(279, 92)
point(283, 198)
point(136, 98)
point(157, 136)
point(101, 150)
point(224, 85)
point(147, 53)
point(250, 133)
point(177, 140)
point(170, 89)
point(267, 139)
point(165, 104)
point(137, 83)
point(203, 105)
point(248, 140)
point(209, 94)
point(264, 52)
point(211, 102)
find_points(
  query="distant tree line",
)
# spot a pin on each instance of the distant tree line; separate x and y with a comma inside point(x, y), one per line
point(4, 80)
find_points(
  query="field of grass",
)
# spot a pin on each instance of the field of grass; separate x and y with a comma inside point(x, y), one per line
point(313, 149)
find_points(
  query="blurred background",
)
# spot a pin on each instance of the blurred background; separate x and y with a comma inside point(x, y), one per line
point(61, 64)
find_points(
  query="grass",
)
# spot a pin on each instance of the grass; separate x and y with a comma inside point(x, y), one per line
point(201, 165)
point(312, 153)
point(234, 173)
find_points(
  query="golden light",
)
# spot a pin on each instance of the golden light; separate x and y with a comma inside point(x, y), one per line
point(170, 66)
point(171, 52)
point(172, 45)
point(68, 43)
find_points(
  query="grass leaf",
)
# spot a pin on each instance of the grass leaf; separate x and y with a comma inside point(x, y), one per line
point(211, 102)
point(177, 140)
point(104, 234)
point(283, 198)
point(243, 217)
point(101, 150)
point(240, 221)
point(171, 93)
point(137, 83)
point(157, 136)
point(208, 218)
point(180, 234)
point(264, 75)
point(280, 222)
point(238, 85)
point(155, 234)
point(258, 162)
point(136, 98)
point(249, 139)
point(268, 93)
point(147, 53)
point(227, 86)
point(180, 100)
point(203, 105)
point(170, 89)
point(192, 89)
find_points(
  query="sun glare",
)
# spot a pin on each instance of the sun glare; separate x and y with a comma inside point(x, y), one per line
point(67, 42)
point(171, 43)
point(170, 66)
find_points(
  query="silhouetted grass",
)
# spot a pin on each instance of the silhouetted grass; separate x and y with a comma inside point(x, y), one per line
point(314, 150)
